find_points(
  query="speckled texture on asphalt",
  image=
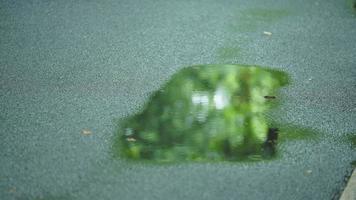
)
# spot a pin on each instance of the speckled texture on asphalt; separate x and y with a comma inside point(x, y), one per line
point(73, 65)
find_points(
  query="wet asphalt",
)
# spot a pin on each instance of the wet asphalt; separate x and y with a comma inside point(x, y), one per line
point(70, 70)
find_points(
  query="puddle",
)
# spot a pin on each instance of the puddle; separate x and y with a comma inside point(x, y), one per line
point(208, 113)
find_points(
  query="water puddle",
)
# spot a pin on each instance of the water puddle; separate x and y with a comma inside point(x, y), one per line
point(208, 113)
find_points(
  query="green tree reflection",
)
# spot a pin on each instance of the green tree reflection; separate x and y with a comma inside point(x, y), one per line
point(207, 112)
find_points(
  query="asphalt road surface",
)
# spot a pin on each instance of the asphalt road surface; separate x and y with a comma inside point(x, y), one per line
point(70, 69)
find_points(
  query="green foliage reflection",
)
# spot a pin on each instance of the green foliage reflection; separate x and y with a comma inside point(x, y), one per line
point(208, 112)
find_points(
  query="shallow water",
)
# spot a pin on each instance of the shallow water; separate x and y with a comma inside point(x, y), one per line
point(208, 113)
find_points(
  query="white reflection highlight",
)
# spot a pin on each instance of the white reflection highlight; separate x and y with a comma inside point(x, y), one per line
point(221, 98)
point(200, 99)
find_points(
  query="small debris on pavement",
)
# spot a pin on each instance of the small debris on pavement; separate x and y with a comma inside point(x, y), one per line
point(12, 190)
point(86, 132)
point(307, 172)
point(267, 33)
point(269, 97)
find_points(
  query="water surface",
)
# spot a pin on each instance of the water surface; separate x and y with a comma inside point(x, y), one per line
point(204, 113)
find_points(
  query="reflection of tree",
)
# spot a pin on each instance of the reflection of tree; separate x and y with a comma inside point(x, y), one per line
point(212, 112)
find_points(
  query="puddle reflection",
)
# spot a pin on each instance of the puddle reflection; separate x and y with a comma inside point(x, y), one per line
point(206, 113)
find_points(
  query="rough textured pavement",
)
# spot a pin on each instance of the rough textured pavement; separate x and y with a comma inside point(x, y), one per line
point(66, 66)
